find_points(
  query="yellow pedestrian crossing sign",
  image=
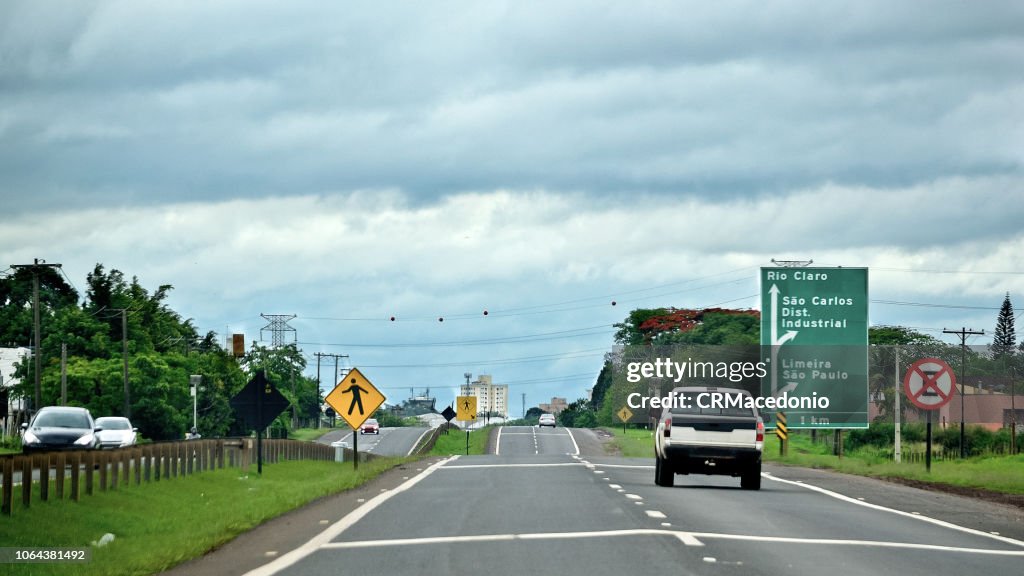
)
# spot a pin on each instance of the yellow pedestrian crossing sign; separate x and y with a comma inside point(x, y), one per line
point(625, 414)
point(465, 408)
point(355, 399)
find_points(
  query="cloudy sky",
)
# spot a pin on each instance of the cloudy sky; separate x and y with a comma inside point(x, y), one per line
point(349, 162)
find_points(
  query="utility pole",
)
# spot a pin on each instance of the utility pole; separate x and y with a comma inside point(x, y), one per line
point(35, 267)
point(63, 374)
point(320, 355)
point(124, 356)
point(963, 333)
point(124, 353)
point(524, 405)
point(897, 391)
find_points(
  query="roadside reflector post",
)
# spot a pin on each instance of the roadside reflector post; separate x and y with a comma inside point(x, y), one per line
point(782, 431)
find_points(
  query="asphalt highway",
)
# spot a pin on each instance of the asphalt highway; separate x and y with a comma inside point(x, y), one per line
point(390, 441)
point(539, 506)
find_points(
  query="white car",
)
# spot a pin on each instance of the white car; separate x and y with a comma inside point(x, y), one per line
point(546, 420)
point(117, 432)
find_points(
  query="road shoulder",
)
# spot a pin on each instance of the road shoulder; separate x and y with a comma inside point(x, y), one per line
point(966, 511)
point(280, 535)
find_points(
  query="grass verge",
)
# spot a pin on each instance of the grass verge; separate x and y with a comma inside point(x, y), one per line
point(455, 443)
point(634, 442)
point(161, 524)
point(1002, 474)
point(308, 434)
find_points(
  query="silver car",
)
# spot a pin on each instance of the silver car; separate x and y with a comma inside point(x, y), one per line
point(117, 432)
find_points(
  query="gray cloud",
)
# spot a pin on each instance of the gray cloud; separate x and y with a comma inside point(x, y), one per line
point(439, 158)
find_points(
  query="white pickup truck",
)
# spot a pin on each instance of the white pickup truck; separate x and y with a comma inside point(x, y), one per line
point(702, 435)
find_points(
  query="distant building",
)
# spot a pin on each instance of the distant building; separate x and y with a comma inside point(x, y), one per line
point(981, 407)
point(490, 397)
point(555, 406)
point(8, 358)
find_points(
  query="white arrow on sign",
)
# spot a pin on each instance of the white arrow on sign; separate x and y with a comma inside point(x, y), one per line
point(776, 342)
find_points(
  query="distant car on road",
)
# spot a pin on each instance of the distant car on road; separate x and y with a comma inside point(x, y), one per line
point(546, 420)
point(370, 427)
point(117, 432)
point(60, 428)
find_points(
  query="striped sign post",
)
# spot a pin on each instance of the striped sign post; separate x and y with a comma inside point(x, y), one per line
point(782, 431)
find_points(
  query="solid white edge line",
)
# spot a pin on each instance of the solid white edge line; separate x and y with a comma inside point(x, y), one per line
point(417, 442)
point(575, 445)
point(687, 538)
point(865, 543)
point(497, 443)
point(332, 531)
point(922, 518)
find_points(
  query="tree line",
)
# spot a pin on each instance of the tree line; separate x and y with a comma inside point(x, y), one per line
point(163, 351)
point(995, 367)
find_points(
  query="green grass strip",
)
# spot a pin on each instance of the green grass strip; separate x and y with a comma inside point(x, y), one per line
point(1004, 474)
point(161, 524)
point(455, 442)
point(634, 442)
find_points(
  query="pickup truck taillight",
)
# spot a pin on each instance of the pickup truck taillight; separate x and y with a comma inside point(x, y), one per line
point(760, 431)
point(668, 427)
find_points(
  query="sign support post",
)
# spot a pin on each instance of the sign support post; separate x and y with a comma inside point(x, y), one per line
point(928, 445)
point(259, 434)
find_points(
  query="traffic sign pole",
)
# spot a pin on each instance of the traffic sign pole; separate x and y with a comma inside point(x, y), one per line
point(259, 434)
point(355, 450)
point(928, 445)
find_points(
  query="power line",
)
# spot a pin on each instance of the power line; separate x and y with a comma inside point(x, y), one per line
point(502, 361)
point(573, 333)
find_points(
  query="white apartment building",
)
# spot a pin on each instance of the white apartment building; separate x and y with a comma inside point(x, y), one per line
point(490, 397)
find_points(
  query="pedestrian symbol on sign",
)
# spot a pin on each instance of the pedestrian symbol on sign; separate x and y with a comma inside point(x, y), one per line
point(355, 390)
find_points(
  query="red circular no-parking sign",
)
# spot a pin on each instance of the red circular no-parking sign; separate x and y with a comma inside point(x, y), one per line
point(929, 383)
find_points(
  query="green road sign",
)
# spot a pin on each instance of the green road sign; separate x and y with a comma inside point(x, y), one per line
point(814, 337)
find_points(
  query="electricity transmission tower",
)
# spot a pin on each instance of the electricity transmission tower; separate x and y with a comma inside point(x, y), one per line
point(278, 327)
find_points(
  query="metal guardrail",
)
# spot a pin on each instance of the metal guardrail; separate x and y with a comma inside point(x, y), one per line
point(74, 474)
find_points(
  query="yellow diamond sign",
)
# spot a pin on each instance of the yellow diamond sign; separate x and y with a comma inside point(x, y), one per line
point(355, 399)
point(625, 414)
point(465, 408)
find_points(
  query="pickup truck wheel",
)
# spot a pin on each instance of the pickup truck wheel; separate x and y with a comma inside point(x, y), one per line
point(663, 474)
point(751, 479)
